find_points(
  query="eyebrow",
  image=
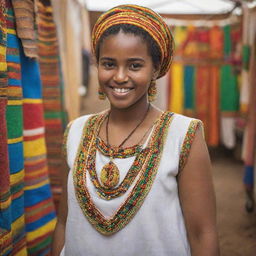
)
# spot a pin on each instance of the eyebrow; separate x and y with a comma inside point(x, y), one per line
point(107, 58)
point(130, 59)
point(136, 59)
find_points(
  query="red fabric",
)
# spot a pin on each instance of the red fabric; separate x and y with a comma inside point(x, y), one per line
point(4, 163)
point(202, 96)
point(34, 116)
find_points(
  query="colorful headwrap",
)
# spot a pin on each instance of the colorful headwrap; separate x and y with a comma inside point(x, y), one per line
point(141, 17)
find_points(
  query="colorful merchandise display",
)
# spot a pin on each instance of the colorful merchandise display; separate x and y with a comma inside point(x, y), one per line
point(27, 212)
point(203, 78)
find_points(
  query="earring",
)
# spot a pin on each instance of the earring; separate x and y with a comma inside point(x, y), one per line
point(101, 94)
point(152, 91)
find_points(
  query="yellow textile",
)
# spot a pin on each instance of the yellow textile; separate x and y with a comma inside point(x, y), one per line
point(34, 148)
point(41, 231)
point(177, 90)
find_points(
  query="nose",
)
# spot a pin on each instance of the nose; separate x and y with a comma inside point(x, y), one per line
point(120, 76)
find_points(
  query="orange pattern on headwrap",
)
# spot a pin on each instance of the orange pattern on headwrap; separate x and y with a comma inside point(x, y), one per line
point(144, 18)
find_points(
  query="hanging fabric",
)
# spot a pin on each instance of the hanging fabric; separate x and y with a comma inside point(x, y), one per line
point(52, 90)
point(27, 216)
point(229, 91)
point(203, 78)
point(25, 26)
point(216, 55)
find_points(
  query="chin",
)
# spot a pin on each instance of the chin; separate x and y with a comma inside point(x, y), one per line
point(126, 103)
point(120, 105)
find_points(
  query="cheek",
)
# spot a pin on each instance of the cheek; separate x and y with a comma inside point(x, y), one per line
point(103, 76)
point(143, 80)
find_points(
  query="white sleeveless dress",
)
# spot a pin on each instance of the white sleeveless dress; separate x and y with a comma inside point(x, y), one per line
point(157, 228)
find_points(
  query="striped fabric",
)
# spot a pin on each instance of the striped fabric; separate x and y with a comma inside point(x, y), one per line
point(14, 119)
point(39, 208)
point(27, 216)
point(5, 193)
point(203, 81)
point(25, 25)
point(48, 51)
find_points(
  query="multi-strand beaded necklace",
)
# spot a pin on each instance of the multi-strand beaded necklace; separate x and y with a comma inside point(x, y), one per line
point(145, 165)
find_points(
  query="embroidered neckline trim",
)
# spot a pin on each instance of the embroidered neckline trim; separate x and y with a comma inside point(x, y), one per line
point(135, 199)
point(111, 193)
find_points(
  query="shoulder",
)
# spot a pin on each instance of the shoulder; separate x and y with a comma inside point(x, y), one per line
point(78, 123)
point(186, 128)
point(184, 120)
point(182, 125)
point(75, 127)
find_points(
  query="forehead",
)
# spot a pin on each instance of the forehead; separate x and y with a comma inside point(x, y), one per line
point(124, 44)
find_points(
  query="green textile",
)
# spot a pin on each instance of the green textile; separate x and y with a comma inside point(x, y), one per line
point(227, 40)
point(189, 87)
point(15, 121)
point(246, 56)
point(229, 93)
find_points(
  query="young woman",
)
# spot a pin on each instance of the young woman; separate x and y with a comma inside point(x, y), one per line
point(139, 180)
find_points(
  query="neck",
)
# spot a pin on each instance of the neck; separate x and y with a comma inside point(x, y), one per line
point(130, 114)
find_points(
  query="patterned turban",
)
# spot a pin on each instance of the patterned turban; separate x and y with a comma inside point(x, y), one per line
point(141, 17)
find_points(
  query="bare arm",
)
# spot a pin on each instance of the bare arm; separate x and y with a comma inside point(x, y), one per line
point(198, 200)
point(59, 232)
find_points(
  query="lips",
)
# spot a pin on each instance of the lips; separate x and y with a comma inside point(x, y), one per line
point(121, 91)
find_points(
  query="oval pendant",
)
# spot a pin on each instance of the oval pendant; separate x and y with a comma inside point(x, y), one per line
point(109, 175)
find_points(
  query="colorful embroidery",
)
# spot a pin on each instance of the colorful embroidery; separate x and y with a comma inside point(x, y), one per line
point(117, 152)
point(111, 193)
point(150, 157)
point(65, 138)
point(187, 143)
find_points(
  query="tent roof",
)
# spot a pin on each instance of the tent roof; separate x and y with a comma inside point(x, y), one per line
point(168, 6)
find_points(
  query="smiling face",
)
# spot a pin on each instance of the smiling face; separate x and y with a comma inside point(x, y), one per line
point(125, 69)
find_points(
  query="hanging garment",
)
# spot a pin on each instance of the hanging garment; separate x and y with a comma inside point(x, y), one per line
point(229, 93)
point(216, 55)
point(203, 96)
point(52, 90)
point(24, 12)
point(39, 208)
point(189, 90)
point(176, 91)
point(14, 215)
point(228, 132)
point(177, 87)
point(5, 188)
point(27, 216)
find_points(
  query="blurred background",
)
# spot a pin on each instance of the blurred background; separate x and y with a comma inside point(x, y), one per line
point(48, 78)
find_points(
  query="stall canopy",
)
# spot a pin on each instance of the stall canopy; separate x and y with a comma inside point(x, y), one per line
point(169, 6)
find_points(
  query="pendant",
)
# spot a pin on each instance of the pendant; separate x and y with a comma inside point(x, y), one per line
point(109, 175)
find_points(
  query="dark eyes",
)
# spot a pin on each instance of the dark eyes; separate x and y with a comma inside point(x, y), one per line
point(111, 65)
point(107, 64)
point(135, 66)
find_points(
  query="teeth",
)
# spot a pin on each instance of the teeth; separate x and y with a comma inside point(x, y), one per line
point(121, 90)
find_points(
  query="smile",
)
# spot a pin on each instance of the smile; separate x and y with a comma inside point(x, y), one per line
point(122, 90)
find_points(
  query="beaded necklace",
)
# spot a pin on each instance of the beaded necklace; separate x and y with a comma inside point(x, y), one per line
point(110, 173)
point(146, 165)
